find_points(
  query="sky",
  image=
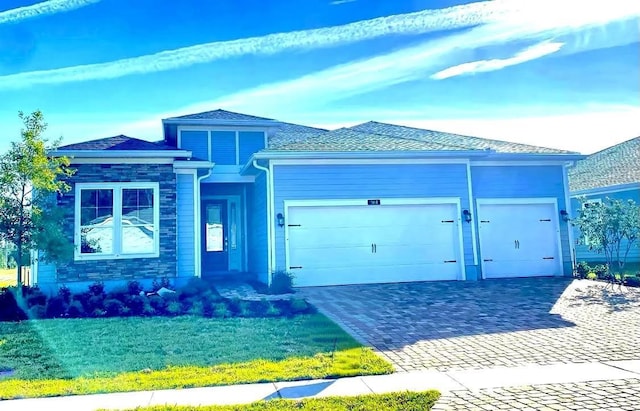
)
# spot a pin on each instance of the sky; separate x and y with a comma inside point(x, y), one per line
point(556, 73)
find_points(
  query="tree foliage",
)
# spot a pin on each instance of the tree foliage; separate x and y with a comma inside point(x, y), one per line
point(29, 182)
point(611, 227)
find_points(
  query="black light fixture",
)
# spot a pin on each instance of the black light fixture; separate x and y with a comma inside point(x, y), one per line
point(280, 219)
point(564, 215)
point(467, 215)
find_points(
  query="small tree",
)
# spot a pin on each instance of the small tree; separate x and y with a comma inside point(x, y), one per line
point(29, 182)
point(611, 227)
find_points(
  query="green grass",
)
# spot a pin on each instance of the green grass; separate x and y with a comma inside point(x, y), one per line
point(402, 401)
point(81, 356)
point(7, 277)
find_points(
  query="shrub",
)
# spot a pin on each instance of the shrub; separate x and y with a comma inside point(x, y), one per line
point(602, 271)
point(220, 310)
point(82, 298)
point(113, 307)
point(75, 309)
point(148, 310)
point(195, 286)
point(9, 310)
point(196, 309)
point(281, 283)
point(38, 311)
point(174, 308)
point(136, 304)
point(158, 303)
point(95, 302)
point(119, 294)
point(96, 288)
point(299, 306)
point(591, 276)
point(134, 287)
point(159, 283)
point(244, 309)
point(272, 311)
point(98, 312)
point(65, 293)
point(582, 269)
point(56, 307)
point(36, 297)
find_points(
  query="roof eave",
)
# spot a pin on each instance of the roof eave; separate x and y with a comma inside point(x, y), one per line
point(535, 156)
point(225, 123)
point(121, 153)
point(410, 154)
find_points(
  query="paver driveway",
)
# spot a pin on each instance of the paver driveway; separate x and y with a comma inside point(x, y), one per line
point(461, 325)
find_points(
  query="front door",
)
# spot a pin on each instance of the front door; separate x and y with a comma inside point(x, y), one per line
point(215, 236)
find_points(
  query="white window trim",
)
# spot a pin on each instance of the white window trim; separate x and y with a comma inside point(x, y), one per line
point(117, 188)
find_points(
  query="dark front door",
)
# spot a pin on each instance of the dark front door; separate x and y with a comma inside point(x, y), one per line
point(215, 253)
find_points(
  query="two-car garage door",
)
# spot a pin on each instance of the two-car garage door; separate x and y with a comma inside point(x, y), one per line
point(361, 243)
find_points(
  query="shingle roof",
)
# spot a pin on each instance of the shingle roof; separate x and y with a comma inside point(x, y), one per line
point(120, 142)
point(449, 139)
point(619, 164)
point(220, 115)
point(287, 133)
point(347, 139)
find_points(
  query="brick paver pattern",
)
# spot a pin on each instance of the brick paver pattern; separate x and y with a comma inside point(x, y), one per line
point(471, 325)
point(617, 395)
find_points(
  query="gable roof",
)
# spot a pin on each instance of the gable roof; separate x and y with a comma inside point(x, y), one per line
point(220, 114)
point(453, 140)
point(120, 142)
point(619, 164)
point(348, 139)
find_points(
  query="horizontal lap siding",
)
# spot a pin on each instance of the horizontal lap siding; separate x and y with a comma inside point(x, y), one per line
point(186, 225)
point(582, 251)
point(524, 182)
point(323, 182)
point(257, 228)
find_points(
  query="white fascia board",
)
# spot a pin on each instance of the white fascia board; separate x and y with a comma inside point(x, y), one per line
point(606, 190)
point(541, 157)
point(192, 164)
point(122, 153)
point(211, 122)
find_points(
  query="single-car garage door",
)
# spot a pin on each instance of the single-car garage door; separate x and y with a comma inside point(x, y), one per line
point(519, 239)
point(355, 244)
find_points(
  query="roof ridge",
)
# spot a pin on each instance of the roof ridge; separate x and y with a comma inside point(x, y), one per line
point(404, 138)
point(615, 146)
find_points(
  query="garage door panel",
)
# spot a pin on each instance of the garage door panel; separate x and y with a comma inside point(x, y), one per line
point(369, 244)
point(518, 240)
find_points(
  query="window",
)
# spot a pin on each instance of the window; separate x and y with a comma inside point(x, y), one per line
point(116, 220)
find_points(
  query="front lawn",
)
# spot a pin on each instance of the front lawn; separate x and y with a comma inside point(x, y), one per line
point(403, 401)
point(7, 277)
point(82, 356)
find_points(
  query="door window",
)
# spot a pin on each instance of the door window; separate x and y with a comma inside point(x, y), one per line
point(214, 228)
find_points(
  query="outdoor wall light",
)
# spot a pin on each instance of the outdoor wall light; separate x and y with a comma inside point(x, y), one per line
point(564, 215)
point(467, 215)
point(280, 219)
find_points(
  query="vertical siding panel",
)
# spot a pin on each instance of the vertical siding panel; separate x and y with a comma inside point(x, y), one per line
point(223, 147)
point(186, 225)
point(197, 142)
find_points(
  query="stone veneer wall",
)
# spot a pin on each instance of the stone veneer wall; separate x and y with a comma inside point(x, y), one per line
point(132, 268)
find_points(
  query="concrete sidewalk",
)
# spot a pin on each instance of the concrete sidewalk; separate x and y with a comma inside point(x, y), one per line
point(468, 380)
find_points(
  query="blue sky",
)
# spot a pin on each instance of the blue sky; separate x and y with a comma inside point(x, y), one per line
point(562, 74)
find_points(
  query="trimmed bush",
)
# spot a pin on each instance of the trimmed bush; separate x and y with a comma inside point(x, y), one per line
point(281, 283)
point(591, 276)
point(174, 308)
point(56, 307)
point(134, 287)
point(38, 311)
point(298, 306)
point(75, 309)
point(136, 304)
point(113, 307)
point(65, 293)
point(161, 283)
point(36, 297)
point(220, 310)
point(96, 288)
point(158, 303)
point(9, 310)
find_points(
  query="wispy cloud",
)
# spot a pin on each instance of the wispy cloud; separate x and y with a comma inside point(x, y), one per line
point(42, 9)
point(531, 53)
point(405, 24)
point(339, 2)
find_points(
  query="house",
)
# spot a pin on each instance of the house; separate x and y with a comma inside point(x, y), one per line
point(611, 173)
point(229, 195)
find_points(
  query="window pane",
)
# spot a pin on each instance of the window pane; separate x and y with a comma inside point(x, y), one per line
point(137, 240)
point(137, 206)
point(96, 240)
point(105, 198)
point(88, 198)
point(87, 215)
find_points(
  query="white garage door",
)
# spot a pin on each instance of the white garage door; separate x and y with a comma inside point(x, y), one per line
point(519, 240)
point(332, 245)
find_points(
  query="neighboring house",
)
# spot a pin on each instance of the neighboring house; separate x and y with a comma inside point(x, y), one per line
point(614, 173)
point(230, 195)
